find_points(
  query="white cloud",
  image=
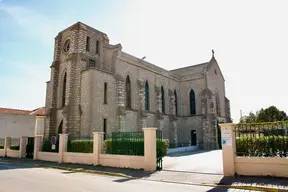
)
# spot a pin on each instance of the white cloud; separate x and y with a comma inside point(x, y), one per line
point(25, 88)
point(34, 23)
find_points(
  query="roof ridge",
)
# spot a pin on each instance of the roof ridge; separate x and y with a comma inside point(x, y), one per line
point(16, 109)
point(190, 66)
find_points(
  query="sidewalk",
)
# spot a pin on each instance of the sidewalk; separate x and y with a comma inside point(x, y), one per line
point(247, 182)
point(180, 177)
point(128, 173)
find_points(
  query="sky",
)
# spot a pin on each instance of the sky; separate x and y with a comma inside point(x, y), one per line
point(249, 38)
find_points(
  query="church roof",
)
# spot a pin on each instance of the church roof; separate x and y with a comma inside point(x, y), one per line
point(190, 69)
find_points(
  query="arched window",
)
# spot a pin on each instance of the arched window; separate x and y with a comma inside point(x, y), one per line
point(128, 92)
point(163, 99)
point(192, 103)
point(146, 96)
point(176, 107)
point(64, 89)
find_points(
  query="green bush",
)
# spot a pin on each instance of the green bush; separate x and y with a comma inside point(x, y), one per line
point(80, 146)
point(124, 147)
point(1, 146)
point(219, 135)
point(165, 146)
point(262, 146)
point(15, 148)
point(132, 147)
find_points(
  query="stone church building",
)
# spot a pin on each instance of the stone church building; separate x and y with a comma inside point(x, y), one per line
point(95, 86)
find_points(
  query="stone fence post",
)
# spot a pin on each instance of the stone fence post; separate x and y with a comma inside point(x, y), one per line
point(150, 148)
point(37, 146)
point(63, 141)
point(228, 148)
point(22, 149)
point(97, 146)
point(7, 145)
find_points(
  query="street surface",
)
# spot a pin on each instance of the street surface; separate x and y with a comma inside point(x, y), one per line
point(16, 177)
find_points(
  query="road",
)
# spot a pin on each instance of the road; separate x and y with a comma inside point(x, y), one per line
point(15, 177)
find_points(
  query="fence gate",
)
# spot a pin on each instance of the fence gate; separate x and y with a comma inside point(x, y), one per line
point(30, 147)
point(159, 151)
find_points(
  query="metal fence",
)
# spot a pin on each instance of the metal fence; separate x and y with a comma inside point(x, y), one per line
point(80, 144)
point(262, 139)
point(125, 143)
point(48, 147)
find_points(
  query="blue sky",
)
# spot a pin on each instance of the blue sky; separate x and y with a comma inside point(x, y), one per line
point(249, 38)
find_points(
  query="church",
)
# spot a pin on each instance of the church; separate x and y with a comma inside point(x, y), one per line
point(96, 87)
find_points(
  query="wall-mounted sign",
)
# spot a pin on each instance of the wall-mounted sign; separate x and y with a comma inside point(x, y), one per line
point(226, 137)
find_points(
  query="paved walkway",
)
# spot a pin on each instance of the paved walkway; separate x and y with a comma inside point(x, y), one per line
point(197, 161)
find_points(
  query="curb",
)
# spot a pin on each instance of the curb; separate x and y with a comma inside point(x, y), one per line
point(126, 176)
point(70, 169)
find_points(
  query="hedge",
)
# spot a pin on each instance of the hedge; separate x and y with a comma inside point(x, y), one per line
point(1, 146)
point(132, 147)
point(269, 146)
point(80, 146)
point(15, 148)
point(165, 146)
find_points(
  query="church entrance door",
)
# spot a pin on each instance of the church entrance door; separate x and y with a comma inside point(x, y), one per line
point(193, 138)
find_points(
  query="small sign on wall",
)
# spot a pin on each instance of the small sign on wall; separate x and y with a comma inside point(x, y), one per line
point(53, 147)
point(226, 137)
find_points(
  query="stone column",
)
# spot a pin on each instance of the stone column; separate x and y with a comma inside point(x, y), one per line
point(150, 148)
point(97, 146)
point(173, 118)
point(209, 121)
point(23, 144)
point(120, 92)
point(37, 146)
point(63, 141)
point(159, 114)
point(7, 144)
point(228, 148)
point(54, 97)
point(142, 112)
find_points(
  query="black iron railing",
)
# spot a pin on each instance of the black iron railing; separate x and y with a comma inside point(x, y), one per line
point(80, 144)
point(125, 143)
point(262, 139)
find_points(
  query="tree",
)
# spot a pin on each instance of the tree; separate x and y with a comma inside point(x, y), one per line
point(270, 114)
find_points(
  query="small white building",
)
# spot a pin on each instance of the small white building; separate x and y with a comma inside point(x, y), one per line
point(16, 123)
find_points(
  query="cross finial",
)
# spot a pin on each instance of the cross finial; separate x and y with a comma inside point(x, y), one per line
point(212, 52)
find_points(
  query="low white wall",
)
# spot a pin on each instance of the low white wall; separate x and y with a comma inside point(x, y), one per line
point(261, 166)
point(122, 161)
point(2, 152)
point(181, 149)
point(48, 156)
point(13, 153)
point(81, 158)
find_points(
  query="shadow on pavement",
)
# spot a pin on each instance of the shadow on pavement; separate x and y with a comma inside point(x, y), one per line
point(14, 163)
point(187, 153)
point(255, 181)
point(205, 173)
